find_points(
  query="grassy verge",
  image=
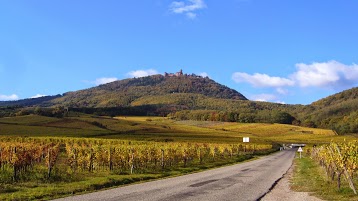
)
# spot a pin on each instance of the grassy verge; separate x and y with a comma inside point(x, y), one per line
point(310, 177)
point(86, 183)
point(44, 191)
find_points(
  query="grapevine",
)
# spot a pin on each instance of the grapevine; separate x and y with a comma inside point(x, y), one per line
point(338, 159)
point(121, 156)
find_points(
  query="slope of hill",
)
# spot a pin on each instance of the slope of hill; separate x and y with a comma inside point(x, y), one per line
point(338, 112)
point(30, 101)
point(124, 92)
point(338, 98)
point(197, 98)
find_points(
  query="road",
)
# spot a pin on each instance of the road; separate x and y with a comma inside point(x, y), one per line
point(246, 181)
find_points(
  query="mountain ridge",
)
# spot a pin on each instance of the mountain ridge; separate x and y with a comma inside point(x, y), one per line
point(158, 85)
point(197, 98)
point(123, 92)
point(337, 97)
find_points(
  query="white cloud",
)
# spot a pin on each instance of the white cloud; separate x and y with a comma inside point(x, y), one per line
point(326, 74)
point(282, 91)
point(191, 15)
point(204, 74)
point(142, 73)
point(187, 7)
point(264, 97)
point(331, 74)
point(313, 77)
point(104, 80)
point(38, 96)
point(9, 97)
point(262, 80)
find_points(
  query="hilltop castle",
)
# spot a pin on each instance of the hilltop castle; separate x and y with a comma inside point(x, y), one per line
point(177, 74)
point(180, 74)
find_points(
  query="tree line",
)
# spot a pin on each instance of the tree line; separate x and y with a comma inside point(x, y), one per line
point(232, 116)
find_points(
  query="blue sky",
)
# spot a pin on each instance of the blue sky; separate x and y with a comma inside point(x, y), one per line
point(294, 52)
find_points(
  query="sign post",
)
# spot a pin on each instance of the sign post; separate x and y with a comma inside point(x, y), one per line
point(300, 150)
point(245, 139)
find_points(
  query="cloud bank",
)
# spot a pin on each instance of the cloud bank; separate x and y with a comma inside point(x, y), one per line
point(188, 8)
point(262, 80)
point(317, 75)
point(9, 97)
point(264, 97)
point(38, 96)
point(204, 74)
point(326, 74)
point(142, 73)
point(331, 74)
point(104, 80)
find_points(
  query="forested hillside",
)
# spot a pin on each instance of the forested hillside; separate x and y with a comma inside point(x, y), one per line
point(338, 112)
point(30, 101)
point(191, 97)
point(124, 92)
point(339, 98)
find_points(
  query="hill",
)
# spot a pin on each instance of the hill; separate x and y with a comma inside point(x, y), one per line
point(191, 97)
point(29, 101)
point(124, 92)
point(338, 98)
point(338, 112)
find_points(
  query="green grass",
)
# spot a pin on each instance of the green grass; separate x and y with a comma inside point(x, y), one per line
point(310, 177)
point(26, 130)
point(37, 190)
point(34, 125)
point(27, 120)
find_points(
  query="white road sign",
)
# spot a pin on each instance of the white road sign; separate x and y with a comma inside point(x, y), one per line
point(300, 149)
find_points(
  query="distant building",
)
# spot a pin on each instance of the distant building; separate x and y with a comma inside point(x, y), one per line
point(177, 74)
point(180, 74)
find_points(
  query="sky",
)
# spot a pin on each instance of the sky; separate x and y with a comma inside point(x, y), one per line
point(292, 52)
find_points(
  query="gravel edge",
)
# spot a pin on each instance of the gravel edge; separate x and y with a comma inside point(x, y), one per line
point(282, 191)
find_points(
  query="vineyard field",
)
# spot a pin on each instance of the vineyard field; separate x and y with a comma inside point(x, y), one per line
point(328, 171)
point(339, 160)
point(53, 161)
point(45, 157)
point(162, 129)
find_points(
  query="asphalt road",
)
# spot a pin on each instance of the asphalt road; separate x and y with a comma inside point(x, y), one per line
point(245, 181)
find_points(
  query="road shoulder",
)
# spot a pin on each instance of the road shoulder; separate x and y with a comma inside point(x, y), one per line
point(282, 191)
